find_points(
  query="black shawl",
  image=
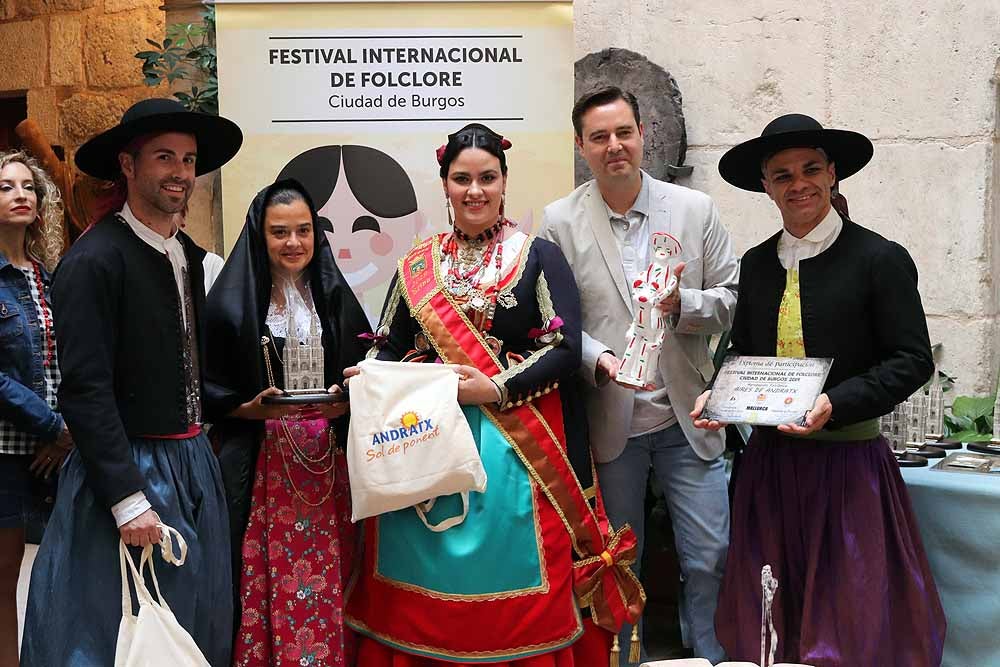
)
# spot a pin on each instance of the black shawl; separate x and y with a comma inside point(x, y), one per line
point(236, 311)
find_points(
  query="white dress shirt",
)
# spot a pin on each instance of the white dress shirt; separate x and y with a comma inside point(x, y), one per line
point(652, 411)
point(792, 250)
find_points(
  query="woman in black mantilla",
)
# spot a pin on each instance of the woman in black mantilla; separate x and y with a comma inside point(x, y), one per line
point(280, 281)
point(498, 588)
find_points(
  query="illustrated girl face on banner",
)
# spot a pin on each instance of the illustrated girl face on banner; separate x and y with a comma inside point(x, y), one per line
point(366, 202)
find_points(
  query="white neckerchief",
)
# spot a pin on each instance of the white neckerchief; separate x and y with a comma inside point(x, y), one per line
point(303, 314)
point(792, 250)
point(171, 247)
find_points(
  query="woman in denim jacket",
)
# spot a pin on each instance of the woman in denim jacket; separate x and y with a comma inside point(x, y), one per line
point(33, 438)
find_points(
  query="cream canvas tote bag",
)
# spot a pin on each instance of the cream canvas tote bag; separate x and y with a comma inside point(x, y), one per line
point(153, 637)
point(409, 441)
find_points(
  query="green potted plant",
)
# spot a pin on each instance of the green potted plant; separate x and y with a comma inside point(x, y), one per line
point(186, 54)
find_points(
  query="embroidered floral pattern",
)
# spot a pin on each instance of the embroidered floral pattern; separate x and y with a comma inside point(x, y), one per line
point(296, 561)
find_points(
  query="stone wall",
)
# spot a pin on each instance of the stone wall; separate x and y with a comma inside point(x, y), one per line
point(920, 78)
point(75, 59)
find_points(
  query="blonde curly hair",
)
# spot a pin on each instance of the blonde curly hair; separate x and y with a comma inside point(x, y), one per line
point(43, 240)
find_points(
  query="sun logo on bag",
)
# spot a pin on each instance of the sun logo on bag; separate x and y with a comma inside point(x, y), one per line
point(409, 419)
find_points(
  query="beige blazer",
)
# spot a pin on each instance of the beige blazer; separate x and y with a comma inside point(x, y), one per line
point(578, 223)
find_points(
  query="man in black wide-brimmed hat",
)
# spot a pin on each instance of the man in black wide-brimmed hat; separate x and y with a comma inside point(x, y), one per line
point(823, 503)
point(128, 299)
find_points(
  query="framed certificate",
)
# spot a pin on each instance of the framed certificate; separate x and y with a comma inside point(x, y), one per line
point(766, 391)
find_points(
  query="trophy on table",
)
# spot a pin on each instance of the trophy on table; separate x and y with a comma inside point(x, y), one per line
point(301, 358)
point(935, 409)
point(645, 334)
point(995, 440)
point(918, 425)
point(993, 446)
point(904, 428)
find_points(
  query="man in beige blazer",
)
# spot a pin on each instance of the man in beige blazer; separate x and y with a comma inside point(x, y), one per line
point(604, 229)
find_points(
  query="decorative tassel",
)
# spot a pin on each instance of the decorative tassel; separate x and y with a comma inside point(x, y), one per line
point(633, 650)
point(615, 652)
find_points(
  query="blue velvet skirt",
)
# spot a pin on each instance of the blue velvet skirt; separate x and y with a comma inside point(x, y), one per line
point(74, 600)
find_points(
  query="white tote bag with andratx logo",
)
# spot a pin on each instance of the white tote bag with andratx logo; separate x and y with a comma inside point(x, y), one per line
point(409, 442)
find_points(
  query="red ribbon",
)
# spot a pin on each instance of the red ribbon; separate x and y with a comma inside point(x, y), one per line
point(551, 326)
point(376, 339)
point(607, 584)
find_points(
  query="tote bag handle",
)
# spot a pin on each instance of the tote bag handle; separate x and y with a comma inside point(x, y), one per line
point(167, 552)
point(444, 524)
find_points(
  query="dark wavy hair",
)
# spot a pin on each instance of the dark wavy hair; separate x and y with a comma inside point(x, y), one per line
point(600, 97)
point(473, 135)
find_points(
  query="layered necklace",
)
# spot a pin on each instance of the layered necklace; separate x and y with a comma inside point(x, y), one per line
point(321, 463)
point(50, 340)
point(469, 262)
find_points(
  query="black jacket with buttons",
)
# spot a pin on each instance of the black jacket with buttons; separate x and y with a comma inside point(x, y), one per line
point(120, 346)
point(860, 306)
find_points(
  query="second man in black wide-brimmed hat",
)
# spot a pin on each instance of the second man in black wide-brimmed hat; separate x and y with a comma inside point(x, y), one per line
point(129, 297)
point(823, 503)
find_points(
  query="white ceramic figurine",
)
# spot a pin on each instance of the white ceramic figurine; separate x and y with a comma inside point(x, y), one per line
point(645, 334)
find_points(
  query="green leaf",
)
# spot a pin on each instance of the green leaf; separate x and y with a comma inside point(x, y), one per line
point(960, 423)
point(984, 424)
point(973, 406)
point(156, 44)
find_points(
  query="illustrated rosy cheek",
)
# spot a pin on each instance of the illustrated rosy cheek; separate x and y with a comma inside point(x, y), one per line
point(382, 244)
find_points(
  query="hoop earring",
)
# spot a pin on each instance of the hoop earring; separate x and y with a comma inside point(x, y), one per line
point(447, 208)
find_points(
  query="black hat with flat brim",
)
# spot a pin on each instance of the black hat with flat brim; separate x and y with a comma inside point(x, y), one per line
point(218, 138)
point(849, 151)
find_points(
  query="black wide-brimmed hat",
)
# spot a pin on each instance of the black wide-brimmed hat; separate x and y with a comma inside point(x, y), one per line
point(849, 151)
point(218, 138)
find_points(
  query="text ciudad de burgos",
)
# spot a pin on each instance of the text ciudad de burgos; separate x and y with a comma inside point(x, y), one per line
point(367, 87)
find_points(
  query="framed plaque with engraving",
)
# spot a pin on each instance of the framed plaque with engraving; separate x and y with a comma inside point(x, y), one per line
point(766, 391)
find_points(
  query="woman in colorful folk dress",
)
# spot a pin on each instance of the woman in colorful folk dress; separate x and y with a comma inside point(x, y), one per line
point(34, 439)
point(283, 468)
point(507, 585)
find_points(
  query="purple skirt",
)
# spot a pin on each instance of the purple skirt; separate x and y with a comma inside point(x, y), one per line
point(834, 522)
